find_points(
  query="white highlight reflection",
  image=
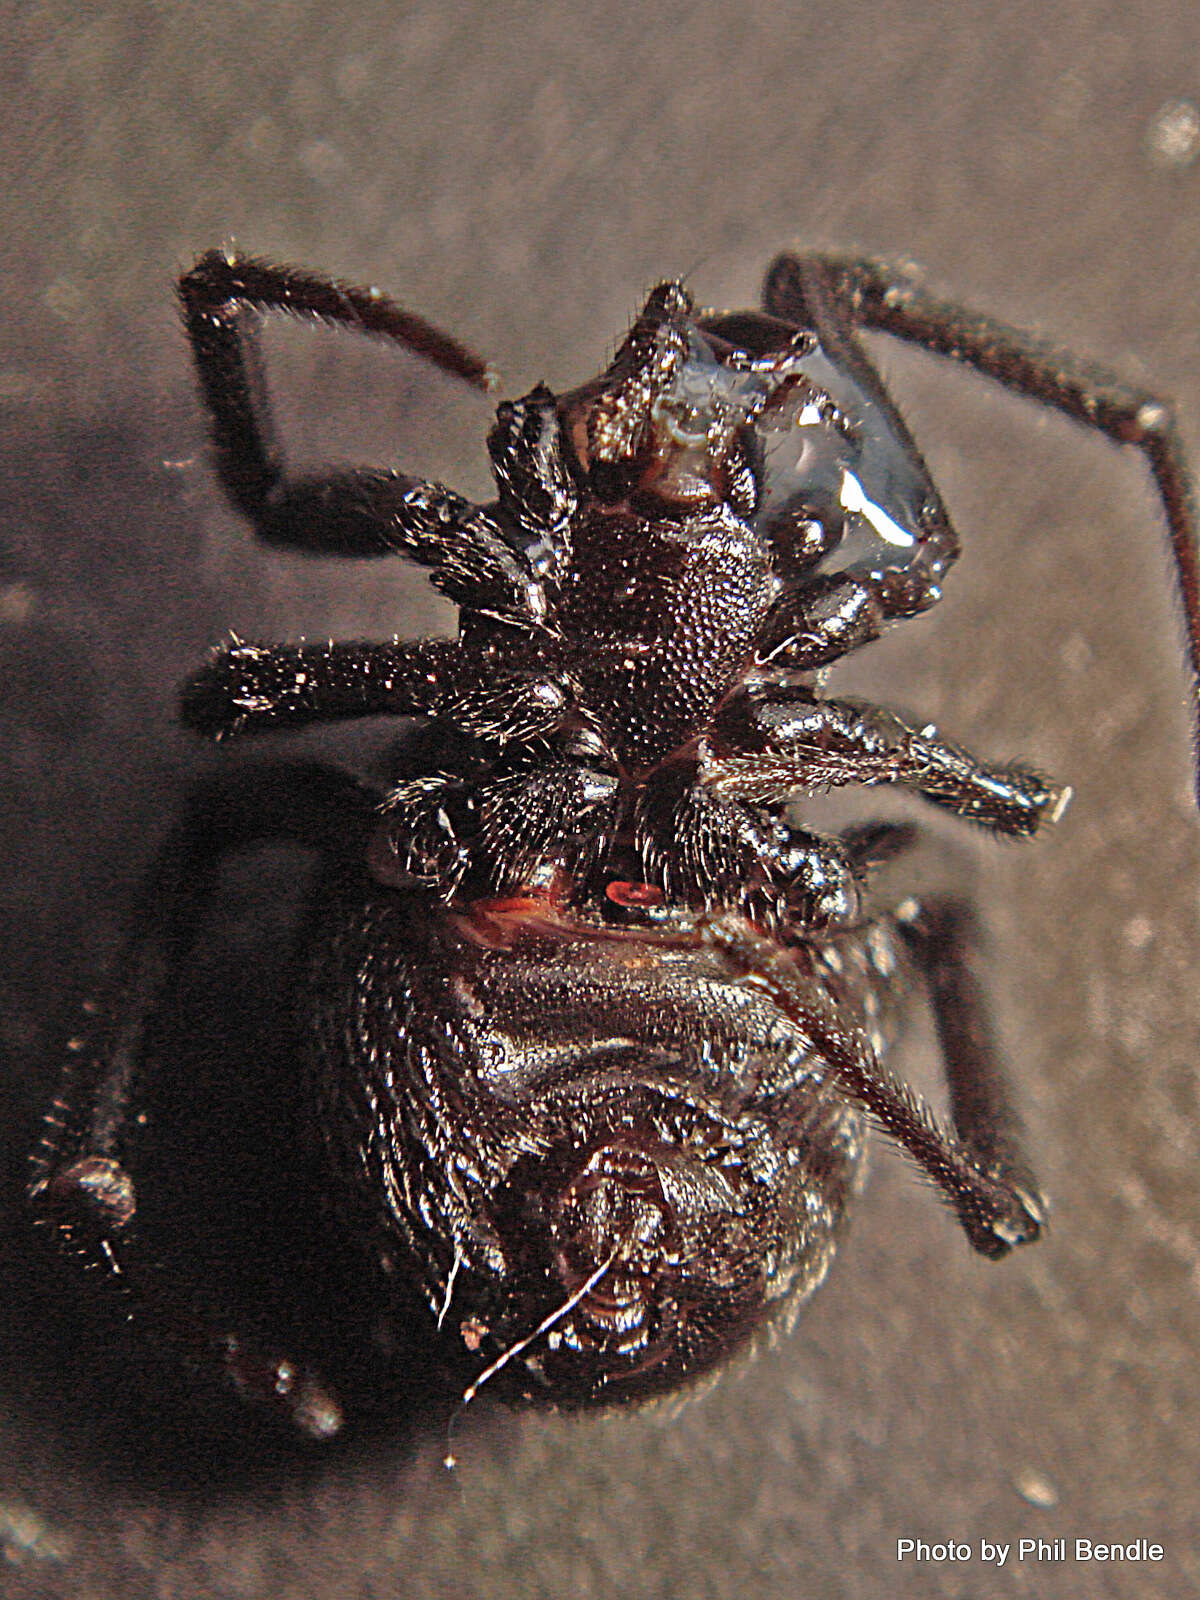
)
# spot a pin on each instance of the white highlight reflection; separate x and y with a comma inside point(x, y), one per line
point(853, 498)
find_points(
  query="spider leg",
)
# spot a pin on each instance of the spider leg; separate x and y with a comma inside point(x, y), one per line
point(977, 1163)
point(872, 294)
point(530, 823)
point(357, 512)
point(346, 513)
point(943, 938)
point(772, 742)
point(246, 688)
point(708, 850)
point(94, 1149)
point(251, 688)
point(522, 826)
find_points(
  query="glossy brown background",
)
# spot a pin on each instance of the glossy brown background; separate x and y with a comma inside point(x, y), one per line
point(522, 174)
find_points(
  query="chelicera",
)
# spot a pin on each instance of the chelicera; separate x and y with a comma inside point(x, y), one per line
point(593, 1023)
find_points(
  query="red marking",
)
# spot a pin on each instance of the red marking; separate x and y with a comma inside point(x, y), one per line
point(497, 922)
point(623, 893)
point(513, 905)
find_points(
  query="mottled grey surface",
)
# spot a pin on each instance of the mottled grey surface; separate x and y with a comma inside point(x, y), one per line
point(522, 174)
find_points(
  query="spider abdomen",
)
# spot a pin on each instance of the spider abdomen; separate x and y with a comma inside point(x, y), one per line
point(530, 1104)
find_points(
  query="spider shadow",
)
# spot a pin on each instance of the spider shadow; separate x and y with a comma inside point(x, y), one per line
point(235, 1196)
point(94, 773)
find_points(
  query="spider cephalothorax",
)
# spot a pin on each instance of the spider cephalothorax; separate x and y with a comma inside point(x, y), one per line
point(674, 549)
point(591, 1021)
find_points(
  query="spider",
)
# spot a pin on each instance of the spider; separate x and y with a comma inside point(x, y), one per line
point(592, 1025)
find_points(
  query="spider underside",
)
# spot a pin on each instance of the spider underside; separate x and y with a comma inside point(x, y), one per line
point(590, 1024)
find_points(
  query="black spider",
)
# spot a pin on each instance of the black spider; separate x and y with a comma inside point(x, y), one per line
point(591, 1024)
